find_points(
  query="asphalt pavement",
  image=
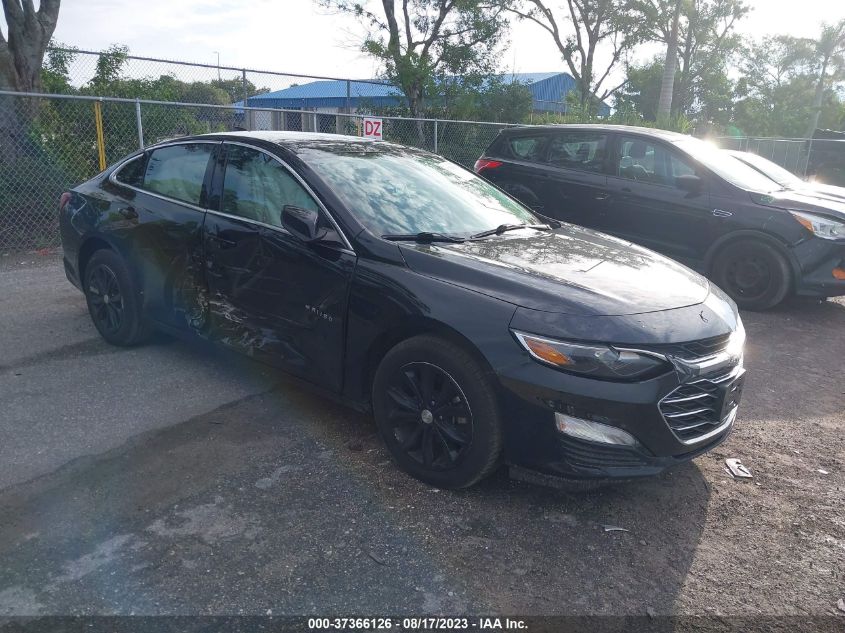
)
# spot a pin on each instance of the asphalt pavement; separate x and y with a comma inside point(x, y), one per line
point(175, 478)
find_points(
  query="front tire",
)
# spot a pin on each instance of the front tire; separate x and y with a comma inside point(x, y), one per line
point(752, 273)
point(113, 300)
point(437, 411)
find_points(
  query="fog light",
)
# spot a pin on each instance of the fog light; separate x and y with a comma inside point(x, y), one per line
point(593, 431)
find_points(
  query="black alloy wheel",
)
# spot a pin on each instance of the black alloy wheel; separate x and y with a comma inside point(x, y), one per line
point(108, 310)
point(437, 411)
point(431, 419)
point(113, 300)
point(753, 273)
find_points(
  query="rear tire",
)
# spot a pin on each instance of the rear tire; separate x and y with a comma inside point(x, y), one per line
point(114, 302)
point(437, 412)
point(753, 273)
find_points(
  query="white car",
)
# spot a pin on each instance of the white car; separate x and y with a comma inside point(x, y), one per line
point(786, 178)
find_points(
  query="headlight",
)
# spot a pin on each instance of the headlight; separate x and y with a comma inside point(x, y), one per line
point(736, 342)
point(821, 226)
point(598, 361)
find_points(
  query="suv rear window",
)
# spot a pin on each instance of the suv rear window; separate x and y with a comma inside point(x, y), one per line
point(527, 147)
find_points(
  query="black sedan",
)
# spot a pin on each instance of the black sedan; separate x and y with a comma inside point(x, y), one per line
point(682, 197)
point(476, 331)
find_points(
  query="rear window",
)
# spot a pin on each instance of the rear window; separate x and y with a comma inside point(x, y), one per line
point(527, 147)
point(178, 171)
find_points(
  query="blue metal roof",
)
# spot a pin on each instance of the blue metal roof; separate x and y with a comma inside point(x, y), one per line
point(548, 89)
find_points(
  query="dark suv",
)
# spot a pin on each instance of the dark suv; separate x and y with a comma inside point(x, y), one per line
point(682, 197)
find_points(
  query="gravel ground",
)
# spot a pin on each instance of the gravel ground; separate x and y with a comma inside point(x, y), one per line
point(176, 479)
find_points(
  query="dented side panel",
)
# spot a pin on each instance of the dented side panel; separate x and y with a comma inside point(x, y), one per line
point(276, 298)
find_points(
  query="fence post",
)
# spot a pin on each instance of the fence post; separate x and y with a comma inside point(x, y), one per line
point(435, 136)
point(246, 100)
point(138, 123)
point(807, 162)
point(348, 94)
point(101, 141)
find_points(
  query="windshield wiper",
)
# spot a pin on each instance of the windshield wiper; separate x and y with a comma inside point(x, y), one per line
point(502, 228)
point(425, 237)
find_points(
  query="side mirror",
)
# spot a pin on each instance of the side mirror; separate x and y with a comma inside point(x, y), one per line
point(302, 223)
point(690, 183)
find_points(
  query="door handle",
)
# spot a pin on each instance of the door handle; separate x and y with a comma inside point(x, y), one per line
point(221, 242)
point(719, 213)
point(129, 213)
point(213, 235)
point(602, 196)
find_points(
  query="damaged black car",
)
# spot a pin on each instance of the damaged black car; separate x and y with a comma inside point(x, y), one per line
point(477, 332)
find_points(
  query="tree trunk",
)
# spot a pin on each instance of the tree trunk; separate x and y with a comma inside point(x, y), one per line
point(817, 101)
point(667, 86)
point(29, 33)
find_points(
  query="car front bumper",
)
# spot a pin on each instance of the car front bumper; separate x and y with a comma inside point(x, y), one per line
point(534, 394)
point(821, 268)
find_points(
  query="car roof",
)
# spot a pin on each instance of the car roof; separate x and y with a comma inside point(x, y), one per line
point(295, 141)
point(648, 131)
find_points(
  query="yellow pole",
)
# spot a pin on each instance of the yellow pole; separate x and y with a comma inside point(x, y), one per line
point(101, 143)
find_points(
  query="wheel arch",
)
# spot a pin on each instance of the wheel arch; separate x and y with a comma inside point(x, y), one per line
point(97, 242)
point(750, 234)
point(409, 328)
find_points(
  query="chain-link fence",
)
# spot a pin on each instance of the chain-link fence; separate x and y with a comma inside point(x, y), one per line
point(49, 143)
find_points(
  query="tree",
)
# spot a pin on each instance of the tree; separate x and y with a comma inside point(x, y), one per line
point(778, 72)
point(594, 25)
point(423, 40)
point(707, 42)
point(641, 93)
point(667, 85)
point(830, 58)
point(22, 49)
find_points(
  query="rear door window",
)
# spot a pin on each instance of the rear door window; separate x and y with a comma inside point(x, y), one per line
point(584, 151)
point(529, 148)
point(178, 171)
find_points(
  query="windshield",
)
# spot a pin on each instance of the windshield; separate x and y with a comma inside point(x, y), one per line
point(393, 190)
point(723, 164)
point(772, 170)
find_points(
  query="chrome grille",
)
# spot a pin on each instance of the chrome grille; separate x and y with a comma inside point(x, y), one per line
point(695, 409)
point(695, 349)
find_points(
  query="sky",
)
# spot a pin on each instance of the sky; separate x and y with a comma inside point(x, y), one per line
point(300, 37)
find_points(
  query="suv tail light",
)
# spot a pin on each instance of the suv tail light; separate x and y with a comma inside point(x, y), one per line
point(63, 200)
point(485, 163)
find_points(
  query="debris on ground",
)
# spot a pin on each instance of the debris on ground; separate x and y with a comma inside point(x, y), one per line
point(613, 528)
point(380, 561)
point(737, 469)
point(822, 471)
point(841, 605)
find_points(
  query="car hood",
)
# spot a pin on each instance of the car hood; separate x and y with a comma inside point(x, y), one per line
point(829, 192)
point(804, 200)
point(570, 270)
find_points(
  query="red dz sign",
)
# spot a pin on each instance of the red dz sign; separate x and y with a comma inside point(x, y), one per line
point(372, 129)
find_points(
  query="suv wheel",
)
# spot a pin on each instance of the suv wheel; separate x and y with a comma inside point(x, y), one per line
point(113, 301)
point(437, 412)
point(753, 273)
